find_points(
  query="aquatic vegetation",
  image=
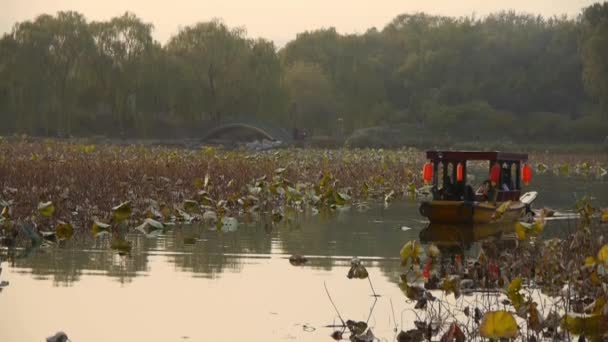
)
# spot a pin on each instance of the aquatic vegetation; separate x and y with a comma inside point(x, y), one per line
point(82, 188)
point(529, 290)
point(55, 191)
point(73, 188)
point(498, 324)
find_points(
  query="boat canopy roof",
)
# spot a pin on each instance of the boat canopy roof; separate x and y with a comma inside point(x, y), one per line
point(475, 155)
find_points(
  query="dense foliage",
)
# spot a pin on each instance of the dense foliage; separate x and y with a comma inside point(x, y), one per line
point(81, 183)
point(507, 75)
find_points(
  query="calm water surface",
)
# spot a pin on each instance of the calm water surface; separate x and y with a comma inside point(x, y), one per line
point(238, 285)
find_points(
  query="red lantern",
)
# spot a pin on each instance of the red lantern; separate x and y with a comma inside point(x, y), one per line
point(459, 172)
point(526, 174)
point(495, 174)
point(427, 172)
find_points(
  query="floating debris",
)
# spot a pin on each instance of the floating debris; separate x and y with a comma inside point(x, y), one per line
point(58, 337)
point(357, 270)
point(297, 260)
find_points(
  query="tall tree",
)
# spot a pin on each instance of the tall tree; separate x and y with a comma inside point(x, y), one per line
point(595, 51)
point(122, 43)
point(213, 55)
point(312, 94)
point(70, 50)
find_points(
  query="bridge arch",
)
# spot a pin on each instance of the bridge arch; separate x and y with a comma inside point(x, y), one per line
point(241, 132)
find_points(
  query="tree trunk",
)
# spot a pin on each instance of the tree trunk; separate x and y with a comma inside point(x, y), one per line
point(214, 111)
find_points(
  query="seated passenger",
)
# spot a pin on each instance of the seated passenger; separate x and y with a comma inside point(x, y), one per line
point(484, 190)
point(448, 188)
point(459, 191)
point(507, 183)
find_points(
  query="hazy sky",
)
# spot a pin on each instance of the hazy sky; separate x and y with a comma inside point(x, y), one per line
point(279, 20)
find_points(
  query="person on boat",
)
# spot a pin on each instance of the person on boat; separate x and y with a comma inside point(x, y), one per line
point(506, 179)
point(484, 190)
point(448, 190)
point(459, 191)
point(507, 184)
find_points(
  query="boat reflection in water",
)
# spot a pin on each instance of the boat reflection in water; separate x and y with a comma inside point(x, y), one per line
point(463, 238)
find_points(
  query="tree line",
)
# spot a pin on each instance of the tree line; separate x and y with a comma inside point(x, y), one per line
point(506, 75)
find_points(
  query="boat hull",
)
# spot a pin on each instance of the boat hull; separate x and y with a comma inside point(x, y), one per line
point(458, 212)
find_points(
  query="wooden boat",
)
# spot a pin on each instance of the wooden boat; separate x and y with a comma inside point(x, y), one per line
point(455, 202)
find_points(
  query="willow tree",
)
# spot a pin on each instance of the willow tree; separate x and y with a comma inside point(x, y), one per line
point(123, 43)
point(211, 55)
point(225, 73)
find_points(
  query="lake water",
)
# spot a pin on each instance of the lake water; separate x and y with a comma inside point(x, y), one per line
point(234, 286)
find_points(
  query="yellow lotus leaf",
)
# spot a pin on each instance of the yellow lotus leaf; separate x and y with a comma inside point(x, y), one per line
point(502, 209)
point(513, 293)
point(122, 211)
point(538, 226)
point(498, 324)
point(602, 255)
point(89, 149)
point(521, 231)
point(46, 209)
point(598, 307)
point(99, 227)
point(64, 231)
point(564, 170)
point(524, 230)
point(515, 285)
point(5, 212)
point(593, 325)
point(605, 215)
point(409, 251)
point(451, 285)
point(590, 261)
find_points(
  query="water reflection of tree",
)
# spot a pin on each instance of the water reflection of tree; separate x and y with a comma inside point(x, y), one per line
point(214, 251)
point(344, 234)
point(329, 239)
point(66, 263)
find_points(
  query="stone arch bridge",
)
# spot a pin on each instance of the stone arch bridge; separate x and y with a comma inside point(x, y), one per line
point(235, 132)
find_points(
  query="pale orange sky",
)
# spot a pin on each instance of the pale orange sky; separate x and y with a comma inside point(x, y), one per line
point(278, 20)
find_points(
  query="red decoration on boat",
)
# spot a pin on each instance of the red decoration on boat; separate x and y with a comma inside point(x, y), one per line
point(427, 172)
point(495, 174)
point(459, 172)
point(526, 174)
